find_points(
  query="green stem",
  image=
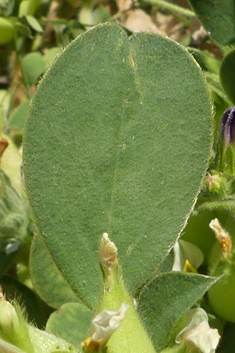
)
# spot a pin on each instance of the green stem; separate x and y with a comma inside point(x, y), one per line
point(131, 332)
point(174, 9)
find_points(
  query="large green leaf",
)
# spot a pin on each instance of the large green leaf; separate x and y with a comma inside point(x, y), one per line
point(47, 278)
point(116, 141)
point(166, 298)
point(218, 18)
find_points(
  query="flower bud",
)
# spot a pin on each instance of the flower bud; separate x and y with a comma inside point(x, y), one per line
point(9, 322)
point(215, 184)
point(222, 236)
point(221, 294)
point(108, 256)
point(13, 328)
point(227, 126)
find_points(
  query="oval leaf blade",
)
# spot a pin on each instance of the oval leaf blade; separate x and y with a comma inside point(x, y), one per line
point(116, 141)
point(71, 322)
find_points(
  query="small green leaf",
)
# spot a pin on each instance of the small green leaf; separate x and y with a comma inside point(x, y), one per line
point(166, 298)
point(47, 278)
point(218, 18)
point(6, 30)
point(215, 86)
point(22, 30)
point(33, 66)
point(92, 16)
point(227, 74)
point(28, 7)
point(23, 9)
point(71, 322)
point(206, 60)
point(33, 22)
point(18, 117)
point(50, 55)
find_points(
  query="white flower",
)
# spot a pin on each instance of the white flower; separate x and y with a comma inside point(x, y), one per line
point(183, 250)
point(103, 326)
point(198, 333)
point(106, 323)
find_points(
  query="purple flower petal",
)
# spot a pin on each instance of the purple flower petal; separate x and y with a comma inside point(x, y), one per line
point(227, 126)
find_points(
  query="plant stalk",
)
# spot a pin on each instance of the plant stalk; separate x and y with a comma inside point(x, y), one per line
point(174, 9)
